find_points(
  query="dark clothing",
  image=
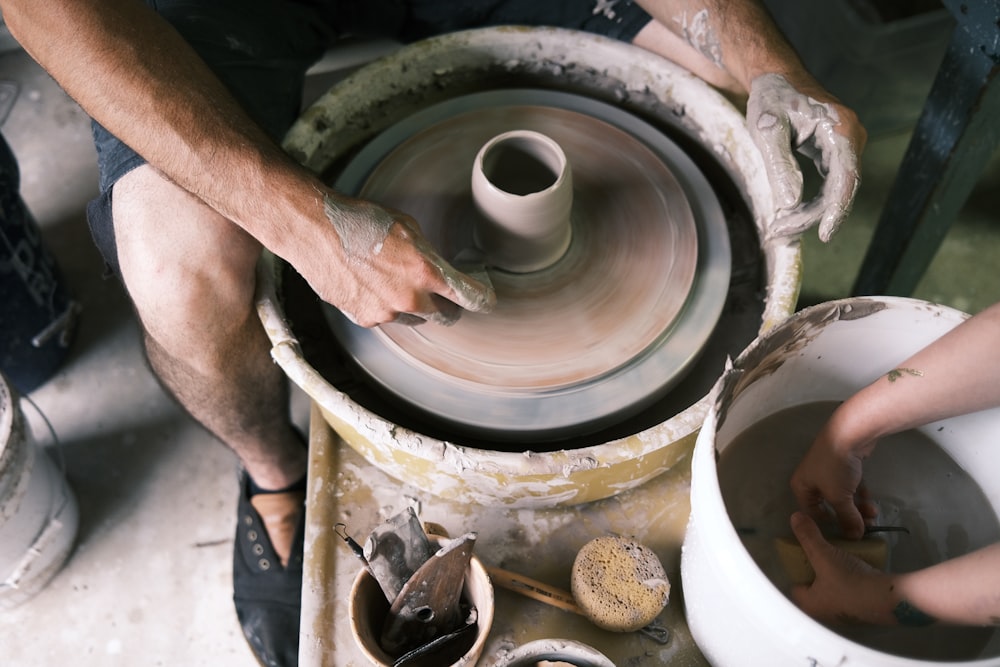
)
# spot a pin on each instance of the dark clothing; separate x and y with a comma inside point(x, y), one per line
point(261, 49)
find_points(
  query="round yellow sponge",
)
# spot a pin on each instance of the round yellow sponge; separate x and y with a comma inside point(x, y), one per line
point(619, 584)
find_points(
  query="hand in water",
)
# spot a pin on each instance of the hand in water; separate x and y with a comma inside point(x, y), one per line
point(781, 118)
point(829, 479)
point(846, 589)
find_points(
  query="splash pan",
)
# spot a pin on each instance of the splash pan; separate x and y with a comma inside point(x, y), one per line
point(586, 342)
point(529, 470)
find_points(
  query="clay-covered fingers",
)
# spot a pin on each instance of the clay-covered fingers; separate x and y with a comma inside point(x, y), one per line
point(782, 119)
point(471, 290)
point(770, 126)
point(388, 271)
point(835, 160)
point(438, 292)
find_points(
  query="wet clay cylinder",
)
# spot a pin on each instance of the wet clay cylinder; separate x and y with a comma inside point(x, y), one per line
point(522, 186)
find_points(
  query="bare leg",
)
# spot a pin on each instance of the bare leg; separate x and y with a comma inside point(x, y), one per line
point(190, 274)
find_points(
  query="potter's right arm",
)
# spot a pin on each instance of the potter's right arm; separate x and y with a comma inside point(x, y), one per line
point(960, 591)
point(955, 375)
point(133, 73)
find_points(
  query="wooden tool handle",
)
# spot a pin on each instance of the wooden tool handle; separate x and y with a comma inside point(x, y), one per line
point(535, 590)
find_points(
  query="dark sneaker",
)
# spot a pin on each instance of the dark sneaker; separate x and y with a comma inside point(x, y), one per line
point(268, 595)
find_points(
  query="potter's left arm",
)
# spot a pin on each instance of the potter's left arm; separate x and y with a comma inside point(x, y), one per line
point(736, 46)
point(960, 591)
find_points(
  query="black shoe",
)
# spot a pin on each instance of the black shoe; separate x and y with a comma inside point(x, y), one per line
point(268, 597)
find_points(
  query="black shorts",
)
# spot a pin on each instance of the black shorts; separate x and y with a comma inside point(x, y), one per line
point(261, 49)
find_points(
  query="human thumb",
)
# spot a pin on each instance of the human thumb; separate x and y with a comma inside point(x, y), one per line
point(812, 598)
point(810, 538)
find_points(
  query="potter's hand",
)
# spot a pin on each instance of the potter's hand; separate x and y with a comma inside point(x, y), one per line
point(846, 589)
point(780, 118)
point(389, 272)
point(829, 478)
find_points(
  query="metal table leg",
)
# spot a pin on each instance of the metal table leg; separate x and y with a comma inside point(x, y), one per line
point(954, 139)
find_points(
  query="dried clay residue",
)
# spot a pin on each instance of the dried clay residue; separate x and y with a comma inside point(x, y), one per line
point(768, 354)
point(698, 33)
point(784, 342)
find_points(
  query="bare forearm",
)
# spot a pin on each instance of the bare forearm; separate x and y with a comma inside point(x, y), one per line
point(961, 591)
point(956, 374)
point(134, 74)
point(738, 36)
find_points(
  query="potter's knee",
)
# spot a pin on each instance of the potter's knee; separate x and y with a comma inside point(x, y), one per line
point(177, 255)
point(195, 324)
point(138, 193)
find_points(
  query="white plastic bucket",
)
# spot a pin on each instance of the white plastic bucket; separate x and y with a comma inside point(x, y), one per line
point(38, 511)
point(824, 353)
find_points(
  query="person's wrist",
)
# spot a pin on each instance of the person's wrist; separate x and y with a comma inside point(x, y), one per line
point(895, 607)
point(853, 429)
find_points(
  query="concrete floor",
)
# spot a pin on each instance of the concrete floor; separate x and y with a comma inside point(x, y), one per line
point(149, 582)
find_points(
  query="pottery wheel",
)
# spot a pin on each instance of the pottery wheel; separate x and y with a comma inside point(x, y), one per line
point(593, 337)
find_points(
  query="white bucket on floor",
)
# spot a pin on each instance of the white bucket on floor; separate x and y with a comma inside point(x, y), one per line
point(827, 352)
point(38, 512)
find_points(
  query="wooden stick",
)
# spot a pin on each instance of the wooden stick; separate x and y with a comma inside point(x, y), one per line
point(535, 590)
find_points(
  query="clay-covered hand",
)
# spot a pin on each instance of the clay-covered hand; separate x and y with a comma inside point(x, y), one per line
point(829, 479)
point(781, 118)
point(846, 589)
point(388, 271)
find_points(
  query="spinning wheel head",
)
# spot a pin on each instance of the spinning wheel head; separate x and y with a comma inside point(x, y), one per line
point(609, 274)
